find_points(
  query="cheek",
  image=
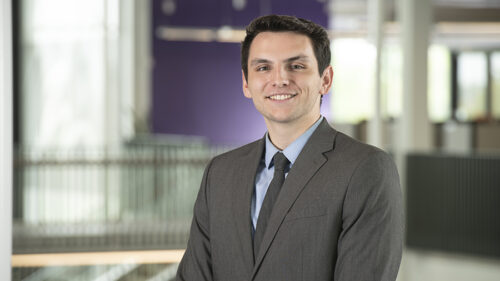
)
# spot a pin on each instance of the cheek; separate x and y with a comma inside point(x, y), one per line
point(259, 84)
point(314, 87)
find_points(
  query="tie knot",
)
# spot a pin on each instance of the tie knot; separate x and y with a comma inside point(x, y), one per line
point(280, 161)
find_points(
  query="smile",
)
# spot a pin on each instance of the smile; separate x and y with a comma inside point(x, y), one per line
point(281, 97)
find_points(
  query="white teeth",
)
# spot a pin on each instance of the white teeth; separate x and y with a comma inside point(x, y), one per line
point(280, 97)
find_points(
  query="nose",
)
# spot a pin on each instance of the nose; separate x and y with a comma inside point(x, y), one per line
point(280, 77)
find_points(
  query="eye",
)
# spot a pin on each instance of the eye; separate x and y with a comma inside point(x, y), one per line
point(296, 66)
point(262, 68)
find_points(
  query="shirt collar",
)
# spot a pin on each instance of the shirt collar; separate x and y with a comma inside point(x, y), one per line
point(293, 150)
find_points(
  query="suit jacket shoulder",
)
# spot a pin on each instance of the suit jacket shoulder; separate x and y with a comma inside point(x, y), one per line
point(227, 159)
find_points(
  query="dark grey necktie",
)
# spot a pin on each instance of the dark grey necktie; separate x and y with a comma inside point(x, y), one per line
point(280, 163)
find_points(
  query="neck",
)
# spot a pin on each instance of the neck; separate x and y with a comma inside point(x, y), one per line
point(283, 134)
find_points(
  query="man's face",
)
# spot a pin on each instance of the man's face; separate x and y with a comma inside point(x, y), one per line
point(283, 79)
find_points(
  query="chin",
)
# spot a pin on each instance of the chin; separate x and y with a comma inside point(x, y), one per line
point(281, 119)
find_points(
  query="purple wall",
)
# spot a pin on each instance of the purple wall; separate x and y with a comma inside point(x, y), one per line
point(197, 85)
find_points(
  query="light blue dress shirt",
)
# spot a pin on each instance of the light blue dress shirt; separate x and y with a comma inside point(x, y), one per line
point(265, 172)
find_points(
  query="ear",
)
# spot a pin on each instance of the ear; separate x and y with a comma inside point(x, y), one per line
point(326, 80)
point(246, 91)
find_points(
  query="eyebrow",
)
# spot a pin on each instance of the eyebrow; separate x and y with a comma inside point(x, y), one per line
point(257, 61)
point(299, 57)
point(288, 60)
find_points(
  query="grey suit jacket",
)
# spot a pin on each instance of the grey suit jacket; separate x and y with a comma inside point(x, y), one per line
point(339, 216)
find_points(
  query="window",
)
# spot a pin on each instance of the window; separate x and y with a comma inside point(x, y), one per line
point(495, 84)
point(69, 70)
point(353, 81)
point(439, 75)
point(391, 81)
point(439, 83)
point(472, 79)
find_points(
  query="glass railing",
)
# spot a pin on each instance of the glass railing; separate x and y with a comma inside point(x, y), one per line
point(136, 198)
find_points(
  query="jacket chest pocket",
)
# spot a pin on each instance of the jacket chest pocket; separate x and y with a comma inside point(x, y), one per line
point(310, 211)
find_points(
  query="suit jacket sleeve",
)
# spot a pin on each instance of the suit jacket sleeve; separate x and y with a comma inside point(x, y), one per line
point(196, 264)
point(370, 244)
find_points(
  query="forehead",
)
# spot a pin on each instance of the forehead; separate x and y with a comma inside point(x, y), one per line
point(276, 45)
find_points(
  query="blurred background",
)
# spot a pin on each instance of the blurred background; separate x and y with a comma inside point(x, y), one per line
point(119, 104)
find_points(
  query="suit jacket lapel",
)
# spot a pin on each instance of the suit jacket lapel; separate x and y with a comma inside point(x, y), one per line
point(245, 177)
point(306, 165)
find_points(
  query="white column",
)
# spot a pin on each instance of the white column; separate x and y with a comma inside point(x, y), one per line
point(5, 139)
point(376, 19)
point(128, 97)
point(135, 42)
point(413, 131)
point(143, 64)
point(415, 127)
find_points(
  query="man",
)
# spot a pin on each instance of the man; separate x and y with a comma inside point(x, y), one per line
point(305, 202)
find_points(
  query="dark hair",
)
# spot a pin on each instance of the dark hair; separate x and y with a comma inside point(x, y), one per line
point(282, 23)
